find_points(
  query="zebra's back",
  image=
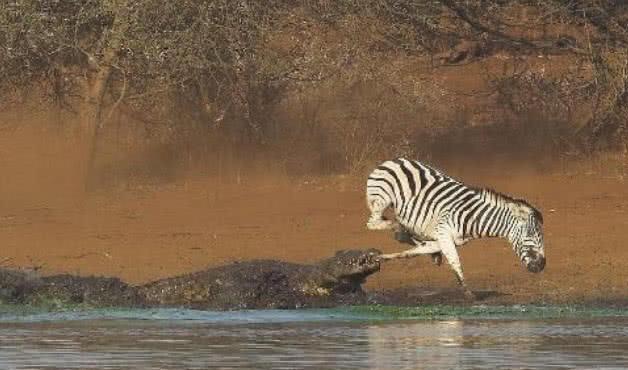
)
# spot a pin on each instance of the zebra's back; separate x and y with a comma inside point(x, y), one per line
point(420, 195)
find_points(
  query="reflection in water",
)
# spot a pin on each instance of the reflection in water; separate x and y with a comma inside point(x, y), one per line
point(493, 344)
point(416, 345)
point(150, 344)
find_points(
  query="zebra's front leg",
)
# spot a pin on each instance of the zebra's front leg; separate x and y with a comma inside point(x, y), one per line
point(448, 249)
point(428, 247)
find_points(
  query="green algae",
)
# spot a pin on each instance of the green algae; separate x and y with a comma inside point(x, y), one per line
point(441, 312)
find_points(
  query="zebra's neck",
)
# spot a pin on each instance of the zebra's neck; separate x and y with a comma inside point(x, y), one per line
point(495, 217)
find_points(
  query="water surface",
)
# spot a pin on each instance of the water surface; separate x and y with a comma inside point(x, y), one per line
point(310, 339)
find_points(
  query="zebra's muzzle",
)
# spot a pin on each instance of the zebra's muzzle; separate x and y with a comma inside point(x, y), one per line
point(536, 265)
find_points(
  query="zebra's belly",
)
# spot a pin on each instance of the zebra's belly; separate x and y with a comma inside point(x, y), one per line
point(425, 231)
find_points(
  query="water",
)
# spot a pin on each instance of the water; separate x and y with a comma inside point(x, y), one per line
point(314, 339)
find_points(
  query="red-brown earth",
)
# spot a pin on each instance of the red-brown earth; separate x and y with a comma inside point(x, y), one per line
point(145, 233)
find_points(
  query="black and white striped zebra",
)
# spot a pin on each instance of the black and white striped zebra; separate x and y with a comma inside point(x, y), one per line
point(441, 213)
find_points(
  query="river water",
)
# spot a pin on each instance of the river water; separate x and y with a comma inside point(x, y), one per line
point(307, 339)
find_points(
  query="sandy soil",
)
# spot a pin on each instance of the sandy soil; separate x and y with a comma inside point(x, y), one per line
point(153, 232)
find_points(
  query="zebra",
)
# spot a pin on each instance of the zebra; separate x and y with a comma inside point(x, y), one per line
point(436, 214)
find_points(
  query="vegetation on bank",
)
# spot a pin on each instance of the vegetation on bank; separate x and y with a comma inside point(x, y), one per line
point(335, 82)
point(47, 311)
point(443, 312)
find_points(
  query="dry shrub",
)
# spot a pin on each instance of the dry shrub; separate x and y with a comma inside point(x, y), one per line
point(608, 128)
point(322, 86)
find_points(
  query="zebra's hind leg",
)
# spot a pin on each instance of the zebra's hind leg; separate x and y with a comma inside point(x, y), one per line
point(404, 236)
point(377, 221)
point(380, 224)
point(448, 249)
point(427, 247)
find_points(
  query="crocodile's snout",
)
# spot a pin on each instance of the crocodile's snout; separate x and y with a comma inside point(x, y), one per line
point(357, 262)
point(370, 260)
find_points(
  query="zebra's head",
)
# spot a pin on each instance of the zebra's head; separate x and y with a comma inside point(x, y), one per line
point(527, 236)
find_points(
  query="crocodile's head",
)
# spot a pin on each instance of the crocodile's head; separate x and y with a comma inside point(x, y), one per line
point(348, 269)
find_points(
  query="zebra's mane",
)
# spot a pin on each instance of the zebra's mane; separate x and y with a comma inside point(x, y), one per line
point(537, 214)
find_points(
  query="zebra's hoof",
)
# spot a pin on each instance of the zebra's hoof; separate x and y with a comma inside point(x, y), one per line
point(469, 295)
point(437, 259)
point(403, 236)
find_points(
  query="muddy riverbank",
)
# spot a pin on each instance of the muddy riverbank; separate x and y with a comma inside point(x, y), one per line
point(256, 284)
point(146, 234)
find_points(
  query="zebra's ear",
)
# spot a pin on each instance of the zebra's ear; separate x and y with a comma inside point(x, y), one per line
point(535, 212)
point(538, 215)
point(523, 211)
point(519, 210)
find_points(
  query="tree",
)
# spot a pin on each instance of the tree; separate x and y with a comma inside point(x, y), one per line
point(78, 43)
point(107, 52)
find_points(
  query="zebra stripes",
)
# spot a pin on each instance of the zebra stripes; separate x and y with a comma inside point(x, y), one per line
point(442, 213)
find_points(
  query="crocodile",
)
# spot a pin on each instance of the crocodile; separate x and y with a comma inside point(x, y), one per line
point(252, 284)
